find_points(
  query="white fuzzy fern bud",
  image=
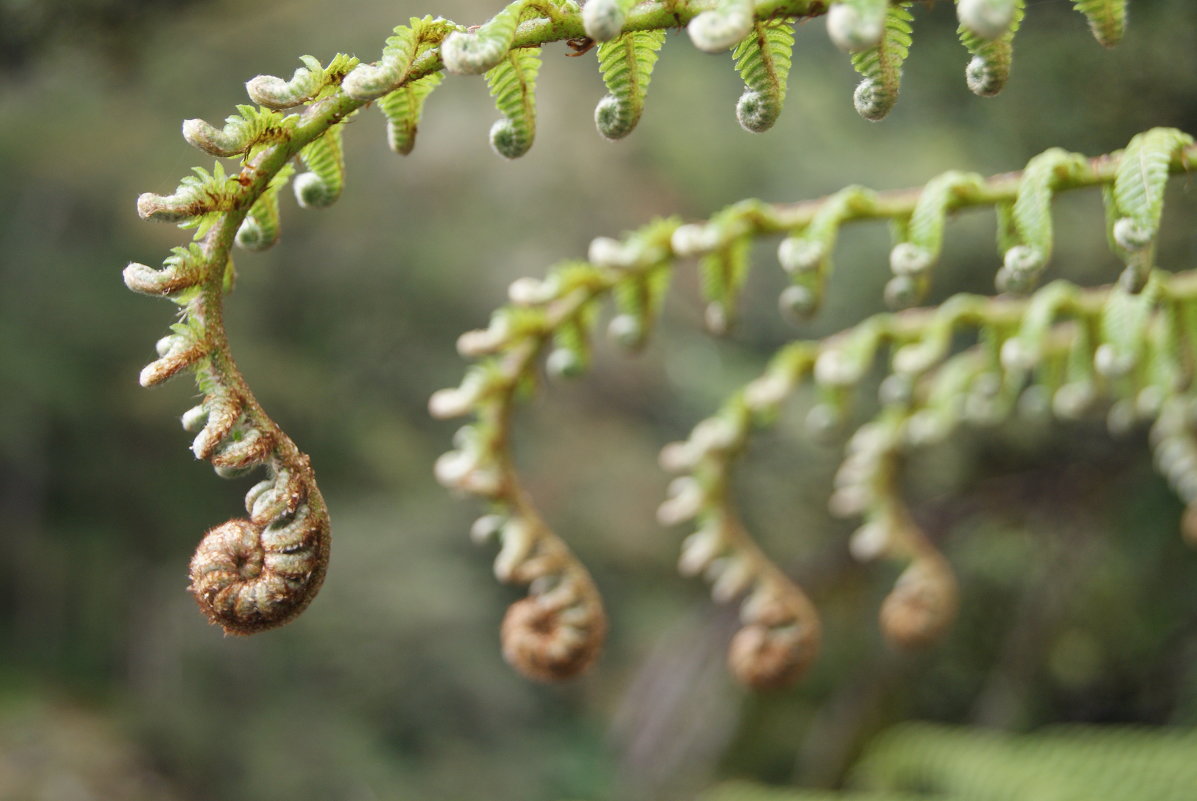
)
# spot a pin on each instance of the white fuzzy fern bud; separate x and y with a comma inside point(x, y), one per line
point(220, 142)
point(988, 19)
point(719, 29)
point(873, 100)
point(756, 112)
point(982, 79)
point(311, 192)
point(907, 258)
point(469, 54)
point(850, 30)
point(1132, 235)
point(603, 19)
point(369, 81)
point(273, 92)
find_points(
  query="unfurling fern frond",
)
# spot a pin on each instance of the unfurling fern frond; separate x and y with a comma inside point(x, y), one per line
point(881, 66)
point(763, 61)
point(513, 85)
point(309, 82)
point(989, 69)
point(403, 108)
point(260, 229)
point(1107, 19)
point(626, 64)
point(325, 179)
point(399, 55)
point(1027, 231)
point(478, 50)
point(1138, 196)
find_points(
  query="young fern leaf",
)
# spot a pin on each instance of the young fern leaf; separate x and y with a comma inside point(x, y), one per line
point(806, 253)
point(403, 108)
point(989, 69)
point(325, 179)
point(399, 54)
point(260, 228)
point(308, 82)
point(240, 131)
point(919, 251)
point(881, 66)
point(856, 24)
point(513, 86)
point(626, 65)
point(603, 19)
point(639, 303)
point(780, 632)
point(723, 274)
point(763, 61)
point(477, 51)
point(1107, 19)
point(721, 27)
point(1138, 192)
point(193, 201)
point(1030, 222)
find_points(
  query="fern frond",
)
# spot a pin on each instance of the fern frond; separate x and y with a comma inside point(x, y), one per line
point(763, 61)
point(1107, 19)
point(920, 249)
point(483, 48)
point(325, 179)
point(1030, 221)
point(309, 82)
point(403, 108)
point(1138, 195)
point(989, 69)
point(881, 66)
point(626, 64)
point(399, 55)
point(513, 86)
point(260, 229)
point(240, 132)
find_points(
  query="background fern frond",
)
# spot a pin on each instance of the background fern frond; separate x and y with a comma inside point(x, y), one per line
point(1107, 19)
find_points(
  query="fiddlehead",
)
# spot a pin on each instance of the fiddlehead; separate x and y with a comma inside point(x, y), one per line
point(513, 85)
point(301, 117)
point(1045, 343)
point(1075, 347)
point(626, 64)
point(989, 69)
point(763, 61)
point(881, 66)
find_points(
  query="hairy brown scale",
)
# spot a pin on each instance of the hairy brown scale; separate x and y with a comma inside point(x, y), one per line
point(249, 577)
point(777, 648)
point(541, 640)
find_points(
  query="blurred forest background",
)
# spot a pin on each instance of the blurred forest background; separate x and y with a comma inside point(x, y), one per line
point(1079, 596)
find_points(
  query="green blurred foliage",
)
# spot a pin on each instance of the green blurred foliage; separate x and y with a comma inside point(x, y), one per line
point(1078, 593)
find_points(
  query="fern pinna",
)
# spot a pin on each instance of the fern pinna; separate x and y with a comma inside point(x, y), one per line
point(260, 571)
